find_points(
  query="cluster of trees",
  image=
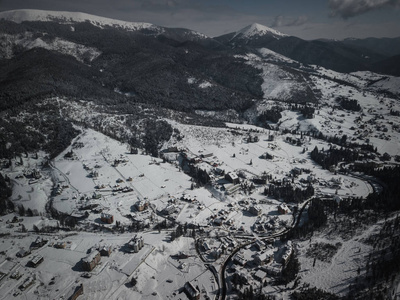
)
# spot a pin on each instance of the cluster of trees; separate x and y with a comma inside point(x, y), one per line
point(333, 156)
point(382, 265)
point(179, 231)
point(200, 176)
point(349, 104)
point(163, 225)
point(156, 133)
point(271, 115)
point(5, 192)
point(136, 226)
point(394, 112)
point(316, 213)
point(289, 193)
point(306, 110)
point(388, 199)
point(317, 217)
point(290, 270)
point(22, 211)
point(249, 293)
point(41, 129)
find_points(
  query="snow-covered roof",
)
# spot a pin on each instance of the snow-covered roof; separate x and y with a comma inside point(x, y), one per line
point(89, 258)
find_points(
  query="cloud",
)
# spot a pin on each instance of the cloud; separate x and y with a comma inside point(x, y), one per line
point(350, 8)
point(281, 21)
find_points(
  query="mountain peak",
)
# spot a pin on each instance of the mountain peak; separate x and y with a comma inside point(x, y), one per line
point(256, 29)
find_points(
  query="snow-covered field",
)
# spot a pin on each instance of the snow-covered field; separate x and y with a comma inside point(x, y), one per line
point(98, 161)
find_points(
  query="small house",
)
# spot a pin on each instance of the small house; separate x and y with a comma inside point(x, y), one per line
point(274, 269)
point(206, 246)
point(297, 171)
point(169, 209)
point(141, 205)
point(283, 209)
point(255, 210)
point(191, 291)
point(207, 155)
point(23, 252)
point(105, 250)
point(260, 275)
point(136, 243)
point(232, 177)
point(264, 258)
point(239, 259)
point(2, 276)
point(60, 245)
point(39, 242)
point(27, 283)
point(217, 252)
point(91, 260)
point(259, 244)
point(35, 261)
point(107, 218)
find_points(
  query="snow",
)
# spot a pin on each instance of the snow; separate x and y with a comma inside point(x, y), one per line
point(267, 53)
point(79, 52)
point(256, 29)
point(205, 84)
point(158, 180)
point(30, 15)
point(279, 84)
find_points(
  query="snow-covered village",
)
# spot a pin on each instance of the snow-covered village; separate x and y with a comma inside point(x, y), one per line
point(227, 169)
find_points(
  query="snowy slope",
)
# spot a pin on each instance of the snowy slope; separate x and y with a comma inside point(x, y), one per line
point(65, 17)
point(255, 30)
point(273, 56)
point(19, 16)
point(82, 53)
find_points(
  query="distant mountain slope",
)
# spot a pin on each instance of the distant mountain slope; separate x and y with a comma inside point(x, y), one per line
point(384, 46)
point(333, 55)
point(389, 66)
point(109, 63)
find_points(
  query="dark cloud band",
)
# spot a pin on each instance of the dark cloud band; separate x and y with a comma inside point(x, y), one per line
point(350, 8)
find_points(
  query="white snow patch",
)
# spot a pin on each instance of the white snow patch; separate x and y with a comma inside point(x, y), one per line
point(205, 84)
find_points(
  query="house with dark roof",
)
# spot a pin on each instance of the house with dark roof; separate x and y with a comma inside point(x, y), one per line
point(91, 260)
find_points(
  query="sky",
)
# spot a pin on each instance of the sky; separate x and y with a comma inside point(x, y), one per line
point(307, 19)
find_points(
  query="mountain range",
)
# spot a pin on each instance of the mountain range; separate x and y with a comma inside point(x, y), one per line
point(130, 66)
